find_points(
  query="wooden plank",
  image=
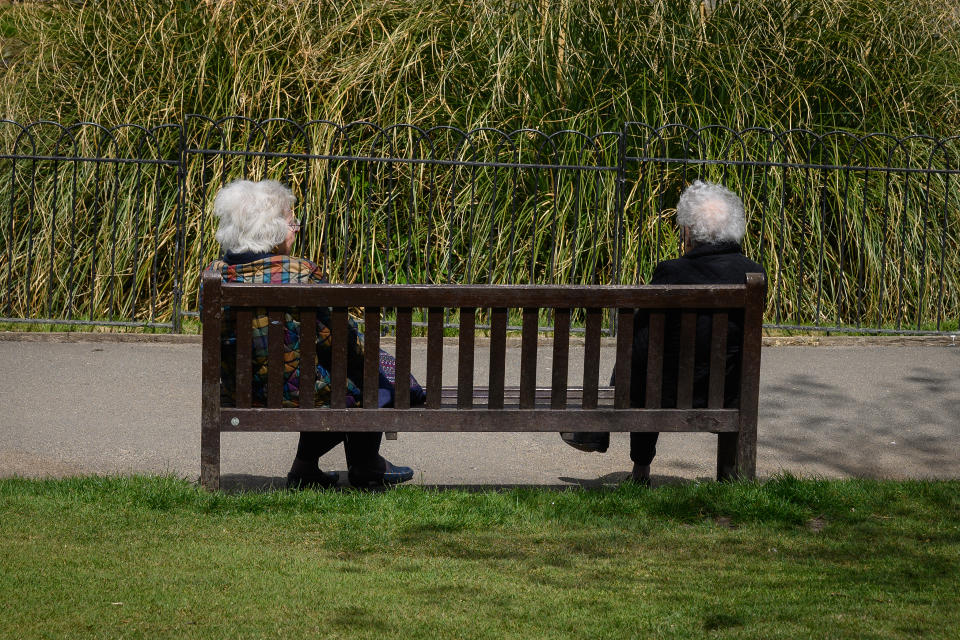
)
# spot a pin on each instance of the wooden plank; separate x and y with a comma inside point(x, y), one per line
point(434, 355)
point(655, 360)
point(485, 296)
point(275, 352)
point(750, 376)
point(624, 356)
point(688, 343)
point(404, 338)
point(371, 357)
point(498, 356)
point(308, 357)
point(244, 332)
point(480, 420)
point(468, 321)
point(561, 358)
point(339, 336)
point(591, 358)
point(718, 359)
point(212, 317)
point(528, 356)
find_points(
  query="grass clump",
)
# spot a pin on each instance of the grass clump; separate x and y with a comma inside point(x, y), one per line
point(823, 64)
point(776, 559)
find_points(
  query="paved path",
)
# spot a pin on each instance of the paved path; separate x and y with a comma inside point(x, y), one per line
point(837, 411)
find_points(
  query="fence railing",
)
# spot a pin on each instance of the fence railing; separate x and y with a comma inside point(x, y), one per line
point(112, 226)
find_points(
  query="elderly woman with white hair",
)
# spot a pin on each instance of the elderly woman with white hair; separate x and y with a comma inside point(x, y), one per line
point(712, 223)
point(256, 232)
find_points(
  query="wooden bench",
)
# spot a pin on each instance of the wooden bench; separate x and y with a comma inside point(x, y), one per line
point(495, 407)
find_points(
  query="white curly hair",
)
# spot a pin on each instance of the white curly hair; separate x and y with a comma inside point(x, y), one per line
point(712, 212)
point(252, 215)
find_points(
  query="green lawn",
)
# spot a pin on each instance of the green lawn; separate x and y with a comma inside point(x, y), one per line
point(786, 558)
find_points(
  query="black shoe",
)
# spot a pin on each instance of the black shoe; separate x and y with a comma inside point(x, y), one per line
point(390, 475)
point(589, 441)
point(318, 480)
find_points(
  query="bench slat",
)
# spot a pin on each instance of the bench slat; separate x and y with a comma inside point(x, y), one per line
point(275, 355)
point(468, 320)
point(688, 330)
point(480, 420)
point(528, 356)
point(718, 360)
point(624, 355)
point(434, 355)
point(402, 353)
point(244, 383)
point(655, 361)
point(371, 357)
point(561, 357)
point(485, 296)
point(498, 356)
point(591, 358)
point(339, 334)
point(308, 357)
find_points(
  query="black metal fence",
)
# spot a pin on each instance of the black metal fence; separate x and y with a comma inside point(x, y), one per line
point(112, 226)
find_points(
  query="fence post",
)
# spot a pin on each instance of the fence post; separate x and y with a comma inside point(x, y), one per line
point(180, 234)
point(619, 204)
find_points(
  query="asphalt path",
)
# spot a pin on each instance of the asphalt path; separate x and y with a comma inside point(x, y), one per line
point(96, 406)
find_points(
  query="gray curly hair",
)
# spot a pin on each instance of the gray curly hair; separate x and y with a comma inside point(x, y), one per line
point(252, 215)
point(712, 212)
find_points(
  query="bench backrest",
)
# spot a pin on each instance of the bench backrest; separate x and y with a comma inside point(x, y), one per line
point(661, 301)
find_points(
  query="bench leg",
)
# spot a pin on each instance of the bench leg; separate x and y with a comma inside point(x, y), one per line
point(736, 456)
point(210, 459)
point(747, 457)
point(726, 456)
point(747, 446)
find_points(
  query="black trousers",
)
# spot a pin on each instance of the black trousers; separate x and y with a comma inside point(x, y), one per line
point(643, 447)
point(362, 448)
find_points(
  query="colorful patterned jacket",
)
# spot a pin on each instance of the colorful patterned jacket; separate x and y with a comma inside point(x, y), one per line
point(269, 268)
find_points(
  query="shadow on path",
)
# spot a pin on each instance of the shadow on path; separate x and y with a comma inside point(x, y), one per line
point(247, 483)
point(886, 429)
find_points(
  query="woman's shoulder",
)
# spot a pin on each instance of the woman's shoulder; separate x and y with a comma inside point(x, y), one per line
point(216, 265)
point(270, 269)
point(284, 268)
point(301, 269)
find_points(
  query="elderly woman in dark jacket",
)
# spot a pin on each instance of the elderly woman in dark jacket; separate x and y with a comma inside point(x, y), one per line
point(256, 232)
point(712, 220)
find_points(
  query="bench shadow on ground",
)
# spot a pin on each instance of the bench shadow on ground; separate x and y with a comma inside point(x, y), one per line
point(248, 483)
